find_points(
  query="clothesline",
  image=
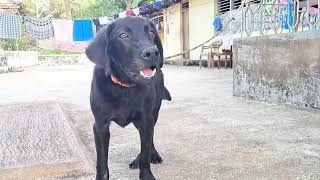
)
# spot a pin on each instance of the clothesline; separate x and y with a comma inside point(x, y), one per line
point(12, 25)
point(82, 29)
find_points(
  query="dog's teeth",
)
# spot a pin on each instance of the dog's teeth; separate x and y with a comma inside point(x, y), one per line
point(146, 76)
point(141, 73)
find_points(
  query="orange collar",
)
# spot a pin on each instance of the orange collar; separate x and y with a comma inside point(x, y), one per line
point(117, 81)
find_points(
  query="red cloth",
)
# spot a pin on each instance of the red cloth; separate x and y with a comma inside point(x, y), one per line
point(129, 12)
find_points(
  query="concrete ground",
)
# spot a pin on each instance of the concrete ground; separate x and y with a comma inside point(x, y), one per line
point(204, 133)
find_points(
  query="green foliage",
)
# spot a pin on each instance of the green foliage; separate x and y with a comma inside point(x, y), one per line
point(45, 8)
point(97, 8)
point(24, 43)
point(80, 8)
point(56, 9)
point(137, 3)
point(8, 44)
point(54, 52)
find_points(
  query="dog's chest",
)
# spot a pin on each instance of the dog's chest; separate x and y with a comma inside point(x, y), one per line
point(132, 109)
point(124, 115)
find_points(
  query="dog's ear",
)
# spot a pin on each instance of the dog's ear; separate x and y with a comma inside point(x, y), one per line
point(157, 42)
point(96, 51)
point(166, 94)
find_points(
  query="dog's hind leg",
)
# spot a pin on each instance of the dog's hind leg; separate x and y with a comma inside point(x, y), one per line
point(102, 137)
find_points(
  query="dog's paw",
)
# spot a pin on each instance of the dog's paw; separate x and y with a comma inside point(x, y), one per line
point(102, 177)
point(155, 158)
point(134, 164)
point(148, 178)
point(146, 175)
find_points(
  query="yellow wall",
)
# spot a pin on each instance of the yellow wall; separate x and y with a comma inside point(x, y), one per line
point(161, 33)
point(172, 30)
point(201, 16)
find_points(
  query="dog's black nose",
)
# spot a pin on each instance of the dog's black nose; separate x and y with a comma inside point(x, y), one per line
point(150, 53)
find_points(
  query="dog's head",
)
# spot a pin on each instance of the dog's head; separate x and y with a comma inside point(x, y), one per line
point(129, 48)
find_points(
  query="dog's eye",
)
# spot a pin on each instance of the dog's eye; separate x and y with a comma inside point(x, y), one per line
point(151, 33)
point(123, 36)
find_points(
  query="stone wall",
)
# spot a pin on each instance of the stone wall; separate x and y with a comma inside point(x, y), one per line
point(17, 59)
point(53, 60)
point(14, 61)
point(280, 68)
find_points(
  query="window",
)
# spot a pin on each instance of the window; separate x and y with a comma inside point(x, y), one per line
point(228, 5)
point(224, 6)
point(236, 4)
point(185, 6)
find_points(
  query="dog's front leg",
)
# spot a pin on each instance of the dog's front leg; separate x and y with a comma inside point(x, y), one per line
point(146, 134)
point(102, 137)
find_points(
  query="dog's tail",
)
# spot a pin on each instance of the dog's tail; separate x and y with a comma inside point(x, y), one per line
point(166, 94)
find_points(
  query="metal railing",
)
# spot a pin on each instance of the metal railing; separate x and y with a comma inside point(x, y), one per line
point(279, 16)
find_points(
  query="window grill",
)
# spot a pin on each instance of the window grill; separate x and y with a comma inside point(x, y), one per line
point(228, 5)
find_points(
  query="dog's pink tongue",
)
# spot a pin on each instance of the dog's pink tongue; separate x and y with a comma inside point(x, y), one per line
point(147, 72)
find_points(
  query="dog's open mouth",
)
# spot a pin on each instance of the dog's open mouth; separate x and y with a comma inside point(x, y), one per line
point(148, 72)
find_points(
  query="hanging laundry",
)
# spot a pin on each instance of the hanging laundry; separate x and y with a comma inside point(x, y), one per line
point(103, 20)
point(96, 22)
point(129, 12)
point(217, 23)
point(46, 44)
point(136, 11)
point(149, 8)
point(122, 14)
point(10, 26)
point(37, 28)
point(82, 30)
point(163, 4)
point(115, 16)
point(63, 30)
point(142, 10)
point(100, 22)
point(157, 5)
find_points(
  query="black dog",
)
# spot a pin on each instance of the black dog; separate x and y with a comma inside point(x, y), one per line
point(127, 86)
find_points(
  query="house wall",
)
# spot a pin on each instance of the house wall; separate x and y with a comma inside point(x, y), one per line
point(172, 17)
point(201, 16)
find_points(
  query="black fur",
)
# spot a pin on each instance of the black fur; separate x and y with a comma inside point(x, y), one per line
point(138, 104)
